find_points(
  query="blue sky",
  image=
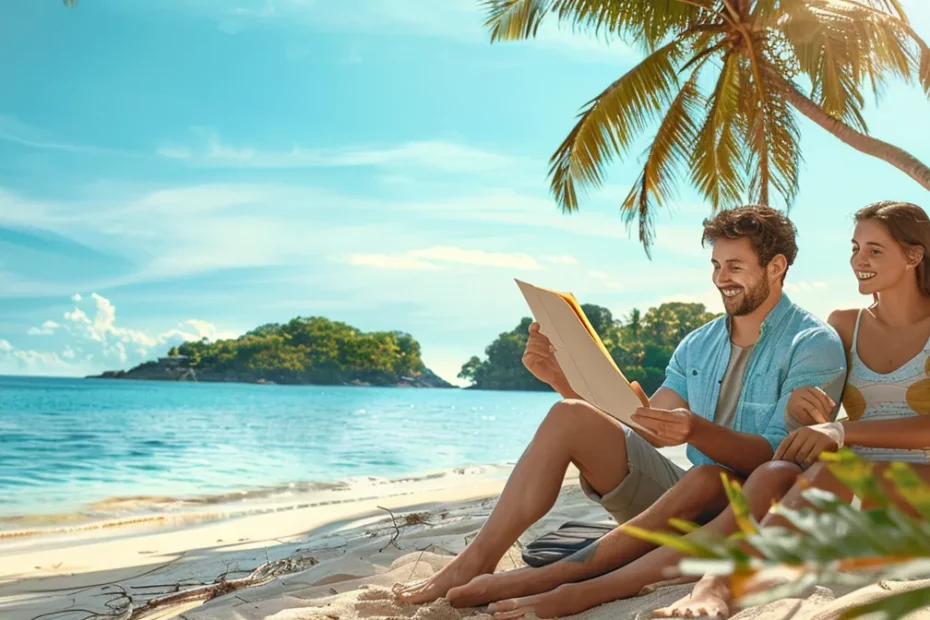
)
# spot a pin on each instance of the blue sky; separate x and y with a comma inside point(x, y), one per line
point(185, 168)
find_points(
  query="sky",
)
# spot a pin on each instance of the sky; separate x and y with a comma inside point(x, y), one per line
point(187, 168)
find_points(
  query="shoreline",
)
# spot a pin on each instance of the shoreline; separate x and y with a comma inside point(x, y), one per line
point(42, 574)
point(162, 512)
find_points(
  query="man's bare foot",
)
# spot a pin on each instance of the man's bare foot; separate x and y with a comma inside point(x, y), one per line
point(459, 571)
point(565, 600)
point(485, 589)
point(710, 597)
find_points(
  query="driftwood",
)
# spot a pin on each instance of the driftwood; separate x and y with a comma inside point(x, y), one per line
point(122, 608)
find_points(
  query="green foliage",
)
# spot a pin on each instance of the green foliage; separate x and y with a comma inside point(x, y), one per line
point(641, 345)
point(831, 542)
point(309, 350)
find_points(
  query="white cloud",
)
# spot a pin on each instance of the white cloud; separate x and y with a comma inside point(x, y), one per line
point(76, 297)
point(16, 131)
point(91, 345)
point(804, 286)
point(77, 316)
point(387, 261)
point(428, 257)
point(189, 230)
point(605, 280)
point(174, 152)
point(564, 259)
point(462, 256)
point(212, 151)
point(47, 329)
point(711, 300)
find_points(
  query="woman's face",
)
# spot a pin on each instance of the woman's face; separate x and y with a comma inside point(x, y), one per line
point(878, 261)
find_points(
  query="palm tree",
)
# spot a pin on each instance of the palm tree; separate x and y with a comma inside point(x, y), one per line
point(739, 139)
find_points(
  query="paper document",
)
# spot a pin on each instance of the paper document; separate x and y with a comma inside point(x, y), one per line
point(584, 359)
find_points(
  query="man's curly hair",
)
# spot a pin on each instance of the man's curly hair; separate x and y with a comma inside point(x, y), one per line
point(768, 230)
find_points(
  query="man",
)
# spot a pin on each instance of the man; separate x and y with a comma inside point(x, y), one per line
point(725, 393)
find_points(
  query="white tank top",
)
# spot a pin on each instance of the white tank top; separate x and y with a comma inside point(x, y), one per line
point(901, 393)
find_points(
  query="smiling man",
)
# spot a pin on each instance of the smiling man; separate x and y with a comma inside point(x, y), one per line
point(725, 393)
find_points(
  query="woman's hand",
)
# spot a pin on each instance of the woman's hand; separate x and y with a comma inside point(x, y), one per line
point(804, 445)
point(810, 405)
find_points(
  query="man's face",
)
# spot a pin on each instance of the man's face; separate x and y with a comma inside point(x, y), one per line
point(742, 281)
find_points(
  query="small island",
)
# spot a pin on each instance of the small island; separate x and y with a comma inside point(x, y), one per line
point(303, 351)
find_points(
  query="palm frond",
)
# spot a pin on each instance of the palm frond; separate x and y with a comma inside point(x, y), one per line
point(670, 148)
point(511, 20)
point(610, 122)
point(645, 22)
point(648, 22)
point(717, 152)
point(833, 49)
point(894, 21)
point(857, 43)
point(772, 139)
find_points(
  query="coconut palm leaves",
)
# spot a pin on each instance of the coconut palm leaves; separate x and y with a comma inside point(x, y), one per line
point(719, 87)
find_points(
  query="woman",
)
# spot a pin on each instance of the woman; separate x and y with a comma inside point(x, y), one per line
point(887, 399)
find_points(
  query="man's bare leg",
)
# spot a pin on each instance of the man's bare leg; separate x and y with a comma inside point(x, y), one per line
point(572, 432)
point(768, 483)
point(699, 496)
point(713, 591)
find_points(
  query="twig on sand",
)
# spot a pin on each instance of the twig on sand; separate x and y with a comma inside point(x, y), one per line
point(127, 611)
point(414, 569)
point(396, 533)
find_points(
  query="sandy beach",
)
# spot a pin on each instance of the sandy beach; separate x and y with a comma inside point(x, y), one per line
point(335, 561)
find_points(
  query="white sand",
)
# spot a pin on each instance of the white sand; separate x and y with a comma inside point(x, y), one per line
point(342, 562)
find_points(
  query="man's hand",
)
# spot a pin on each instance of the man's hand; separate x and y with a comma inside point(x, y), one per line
point(810, 405)
point(670, 428)
point(539, 357)
point(804, 445)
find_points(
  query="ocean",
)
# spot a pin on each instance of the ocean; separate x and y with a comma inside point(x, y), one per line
point(78, 449)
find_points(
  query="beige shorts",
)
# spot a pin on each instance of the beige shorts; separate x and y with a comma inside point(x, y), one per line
point(651, 475)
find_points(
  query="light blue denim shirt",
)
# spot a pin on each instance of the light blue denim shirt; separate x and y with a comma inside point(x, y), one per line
point(794, 349)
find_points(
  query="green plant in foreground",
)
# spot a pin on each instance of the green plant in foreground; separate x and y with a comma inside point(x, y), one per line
point(831, 543)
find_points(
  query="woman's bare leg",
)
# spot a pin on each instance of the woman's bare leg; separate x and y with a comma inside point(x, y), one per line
point(768, 483)
point(572, 432)
point(712, 593)
point(697, 497)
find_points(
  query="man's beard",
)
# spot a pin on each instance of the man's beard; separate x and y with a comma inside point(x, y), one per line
point(749, 300)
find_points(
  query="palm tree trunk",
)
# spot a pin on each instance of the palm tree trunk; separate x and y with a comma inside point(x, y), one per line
point(897, 157)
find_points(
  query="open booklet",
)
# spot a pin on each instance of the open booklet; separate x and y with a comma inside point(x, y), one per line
point(588, 366)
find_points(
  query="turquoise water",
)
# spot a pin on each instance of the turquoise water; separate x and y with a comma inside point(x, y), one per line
point(66, 445)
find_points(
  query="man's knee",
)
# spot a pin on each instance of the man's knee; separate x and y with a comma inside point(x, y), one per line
point(705, 478)
point(775, 475)
point(576, 415)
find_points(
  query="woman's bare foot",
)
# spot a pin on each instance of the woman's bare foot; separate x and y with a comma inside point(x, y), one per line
point(565, 600)
point(485, 589)
point(710, 597)
point(461, 570)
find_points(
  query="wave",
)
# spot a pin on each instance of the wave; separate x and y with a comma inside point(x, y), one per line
point(168, 511)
